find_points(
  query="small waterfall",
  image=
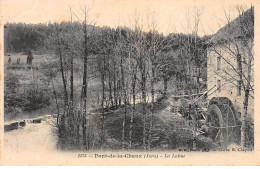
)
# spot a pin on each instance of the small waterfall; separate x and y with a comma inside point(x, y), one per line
point(9, 126)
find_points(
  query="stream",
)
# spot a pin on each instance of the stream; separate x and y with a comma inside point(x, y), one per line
point(35, 135)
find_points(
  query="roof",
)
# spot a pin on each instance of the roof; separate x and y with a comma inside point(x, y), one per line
point(240, 27)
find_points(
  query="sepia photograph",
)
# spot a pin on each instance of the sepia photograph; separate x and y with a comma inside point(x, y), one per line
point(113, 80)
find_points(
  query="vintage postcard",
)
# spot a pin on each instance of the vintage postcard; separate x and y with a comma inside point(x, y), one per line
point(129, 82)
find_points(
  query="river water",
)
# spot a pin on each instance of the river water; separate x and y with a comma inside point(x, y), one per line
point(33, 137)
point(40, 137)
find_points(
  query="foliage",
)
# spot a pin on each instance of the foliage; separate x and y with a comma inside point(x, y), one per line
point(31, 100)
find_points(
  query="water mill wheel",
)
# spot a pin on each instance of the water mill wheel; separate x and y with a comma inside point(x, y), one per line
point(221, 121)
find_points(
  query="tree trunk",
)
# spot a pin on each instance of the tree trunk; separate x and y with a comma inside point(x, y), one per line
point(84, 86)
point(71, 114)
point(152, 108)
point(125, 104)
point(102, 103)
point(62, 128)
point(244, 120)
point(64, 83)
point(71, 86)
point(110, 85)
point(133, 110)
point(115, 88)
point(143, 86)
point(245, 103)
point(57, 105)
point(119, 91)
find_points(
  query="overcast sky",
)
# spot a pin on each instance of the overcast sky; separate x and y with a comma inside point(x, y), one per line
point(172, 15)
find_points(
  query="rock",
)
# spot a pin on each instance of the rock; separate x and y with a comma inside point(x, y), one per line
point(37, 120)
point(11, 126)
point(22, 123)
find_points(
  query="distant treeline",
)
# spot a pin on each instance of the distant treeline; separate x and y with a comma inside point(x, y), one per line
point(21, 37)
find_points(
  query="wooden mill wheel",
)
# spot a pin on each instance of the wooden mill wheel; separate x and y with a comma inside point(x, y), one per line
point(221, 122)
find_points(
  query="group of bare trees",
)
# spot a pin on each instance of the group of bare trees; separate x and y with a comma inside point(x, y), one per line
point(125, 65)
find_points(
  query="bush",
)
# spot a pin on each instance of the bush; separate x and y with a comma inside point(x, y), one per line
point(32, 99)
point(36, 100)
point(11, 83)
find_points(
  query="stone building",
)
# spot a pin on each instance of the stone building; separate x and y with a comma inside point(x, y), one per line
point(230, 62)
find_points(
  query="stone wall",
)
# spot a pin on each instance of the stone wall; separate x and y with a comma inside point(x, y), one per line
point(227, 76)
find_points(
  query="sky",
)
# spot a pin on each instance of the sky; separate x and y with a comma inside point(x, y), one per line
point(172, 16)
